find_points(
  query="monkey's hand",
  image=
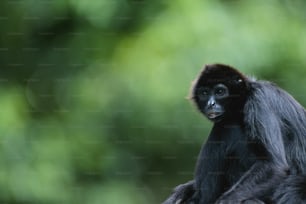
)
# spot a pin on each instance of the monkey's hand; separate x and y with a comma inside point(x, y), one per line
point(181, 193)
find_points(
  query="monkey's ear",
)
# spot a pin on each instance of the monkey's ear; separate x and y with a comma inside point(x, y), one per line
point(192, 90)
point(238, 80)
point(192, 94)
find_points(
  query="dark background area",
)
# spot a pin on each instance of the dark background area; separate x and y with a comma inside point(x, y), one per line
point(93, 104)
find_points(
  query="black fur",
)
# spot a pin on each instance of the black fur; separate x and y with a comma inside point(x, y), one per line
point(257, 153)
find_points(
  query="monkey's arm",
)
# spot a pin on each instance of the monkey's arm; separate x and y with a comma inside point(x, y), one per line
point(259, 181)
point(208, 183)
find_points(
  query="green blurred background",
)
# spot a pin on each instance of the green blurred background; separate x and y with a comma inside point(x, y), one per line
point(93, 106)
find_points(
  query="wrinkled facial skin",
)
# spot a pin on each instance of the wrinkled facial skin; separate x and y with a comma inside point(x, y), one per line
point(212, 101)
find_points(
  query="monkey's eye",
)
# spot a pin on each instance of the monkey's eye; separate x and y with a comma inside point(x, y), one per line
point(205, 92)
point(220, 92)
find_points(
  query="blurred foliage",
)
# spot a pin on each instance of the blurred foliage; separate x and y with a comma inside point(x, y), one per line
point(92, 93)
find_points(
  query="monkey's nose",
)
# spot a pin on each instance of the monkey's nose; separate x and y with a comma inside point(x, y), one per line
point(211, 103)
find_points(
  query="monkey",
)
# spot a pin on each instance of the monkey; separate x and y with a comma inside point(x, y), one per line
point(256, 150)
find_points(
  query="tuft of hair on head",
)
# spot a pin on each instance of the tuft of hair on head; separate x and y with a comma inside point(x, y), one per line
point(221, 72)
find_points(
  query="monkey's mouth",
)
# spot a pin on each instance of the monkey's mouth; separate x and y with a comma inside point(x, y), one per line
point(213, 115)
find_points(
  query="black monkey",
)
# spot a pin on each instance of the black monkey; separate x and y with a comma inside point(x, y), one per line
point(256, 151)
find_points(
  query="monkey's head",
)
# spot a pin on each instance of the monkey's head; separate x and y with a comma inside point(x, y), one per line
point(219, 92)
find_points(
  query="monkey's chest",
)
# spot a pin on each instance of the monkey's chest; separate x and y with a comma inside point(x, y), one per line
point(238, 159)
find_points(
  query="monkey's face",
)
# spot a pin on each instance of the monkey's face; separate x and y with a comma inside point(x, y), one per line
point(213, 101)
point(219, 92)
